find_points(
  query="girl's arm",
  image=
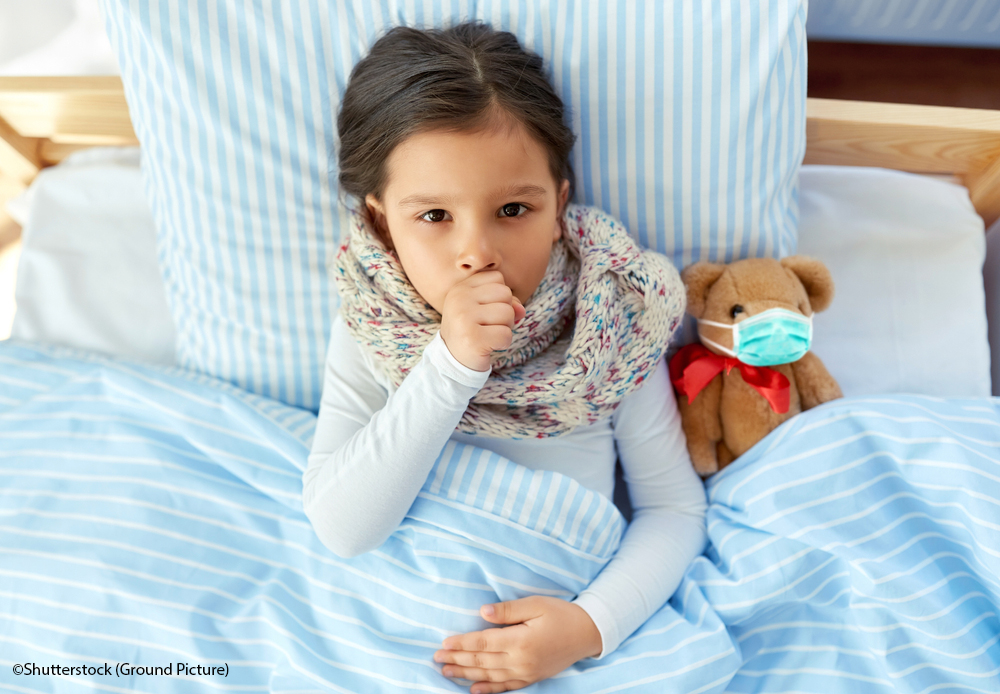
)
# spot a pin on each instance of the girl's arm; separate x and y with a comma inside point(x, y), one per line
point(667, 530)
point(372, 452)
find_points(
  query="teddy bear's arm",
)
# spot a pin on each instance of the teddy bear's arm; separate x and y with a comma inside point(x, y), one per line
point(814, 382)
point(702, 426)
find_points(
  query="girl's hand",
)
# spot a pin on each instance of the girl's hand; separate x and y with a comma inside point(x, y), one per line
point(548, 636)
point(478, 318)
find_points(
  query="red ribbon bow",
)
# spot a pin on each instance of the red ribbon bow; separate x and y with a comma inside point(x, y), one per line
point(694, 367)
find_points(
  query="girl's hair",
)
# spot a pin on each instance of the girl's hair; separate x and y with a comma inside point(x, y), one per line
point(462, 78)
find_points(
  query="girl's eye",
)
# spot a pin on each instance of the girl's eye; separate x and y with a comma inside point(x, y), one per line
point(512, 209)
point(433, 216)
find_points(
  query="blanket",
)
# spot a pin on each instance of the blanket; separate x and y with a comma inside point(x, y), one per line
point(152, 539)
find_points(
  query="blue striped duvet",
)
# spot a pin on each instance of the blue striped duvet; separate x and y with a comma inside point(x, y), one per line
point(150, 517)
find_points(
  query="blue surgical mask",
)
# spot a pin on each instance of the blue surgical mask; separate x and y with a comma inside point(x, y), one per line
point(775, 336)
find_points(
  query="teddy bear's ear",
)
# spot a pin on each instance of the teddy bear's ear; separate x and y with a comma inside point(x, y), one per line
point(698, 279)
point(814, 277)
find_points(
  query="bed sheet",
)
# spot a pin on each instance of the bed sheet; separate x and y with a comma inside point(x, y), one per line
point(152, 517)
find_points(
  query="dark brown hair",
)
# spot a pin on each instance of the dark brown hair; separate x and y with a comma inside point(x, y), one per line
point(461, 78)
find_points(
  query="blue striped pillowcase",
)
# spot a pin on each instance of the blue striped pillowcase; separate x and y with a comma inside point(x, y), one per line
point(690, 120)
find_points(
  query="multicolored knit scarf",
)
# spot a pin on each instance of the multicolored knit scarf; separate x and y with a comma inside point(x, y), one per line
point(594, 328)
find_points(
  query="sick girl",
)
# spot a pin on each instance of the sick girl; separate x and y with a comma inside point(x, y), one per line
point(508, 318)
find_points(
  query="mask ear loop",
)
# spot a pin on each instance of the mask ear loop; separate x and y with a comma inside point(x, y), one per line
point(712, 322)
point(726, 350)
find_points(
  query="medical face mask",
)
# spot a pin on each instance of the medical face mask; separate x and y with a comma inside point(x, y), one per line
point(775, 336)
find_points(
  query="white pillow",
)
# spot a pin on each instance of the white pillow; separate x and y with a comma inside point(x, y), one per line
point(906, 253)
point(88, 275)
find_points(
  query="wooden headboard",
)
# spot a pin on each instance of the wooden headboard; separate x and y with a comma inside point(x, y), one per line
point(43, 119)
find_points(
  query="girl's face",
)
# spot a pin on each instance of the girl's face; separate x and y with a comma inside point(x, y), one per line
point(455, 204)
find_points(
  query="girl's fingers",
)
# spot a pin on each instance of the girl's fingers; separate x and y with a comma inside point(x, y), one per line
point(484, 277)
point(476, 659)
point(497, 336)
point(477, 674)
point(497, 314)
point(492, 292)
point(493, 687)
point(519, 309)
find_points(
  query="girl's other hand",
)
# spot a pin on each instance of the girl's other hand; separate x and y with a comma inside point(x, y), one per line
point(478, 318)
point(548, 636)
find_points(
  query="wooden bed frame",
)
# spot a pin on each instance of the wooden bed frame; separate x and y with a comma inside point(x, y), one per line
point(43, 119)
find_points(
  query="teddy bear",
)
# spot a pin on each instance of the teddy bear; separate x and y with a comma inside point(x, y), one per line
point(752, 369)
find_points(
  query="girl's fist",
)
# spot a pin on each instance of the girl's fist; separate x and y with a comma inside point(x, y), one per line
point(478, 318)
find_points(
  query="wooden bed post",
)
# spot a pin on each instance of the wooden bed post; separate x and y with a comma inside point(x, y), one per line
point(18, 154)
point(963, 142)
point(44, 119)
point(984, 189)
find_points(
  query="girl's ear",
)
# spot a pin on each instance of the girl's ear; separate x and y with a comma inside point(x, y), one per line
point(376, 213)
point(563, 196)
point(375, 209)
point(561, 200)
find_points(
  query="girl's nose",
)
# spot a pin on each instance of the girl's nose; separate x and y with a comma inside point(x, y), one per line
point(477, 251)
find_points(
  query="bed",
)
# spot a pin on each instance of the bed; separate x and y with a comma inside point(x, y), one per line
point(151, 527)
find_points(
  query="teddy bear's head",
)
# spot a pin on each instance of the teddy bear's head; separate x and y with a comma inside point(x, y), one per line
point(731, 293)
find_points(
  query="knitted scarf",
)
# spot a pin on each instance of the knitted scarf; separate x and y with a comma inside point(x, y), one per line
point(594, 329)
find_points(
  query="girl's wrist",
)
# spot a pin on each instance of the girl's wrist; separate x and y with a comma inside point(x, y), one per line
point(592, 643)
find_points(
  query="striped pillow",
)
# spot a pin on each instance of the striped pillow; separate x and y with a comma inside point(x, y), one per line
point(690, 120)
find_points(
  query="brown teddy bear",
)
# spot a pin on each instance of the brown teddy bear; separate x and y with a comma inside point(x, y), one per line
point(753, 369)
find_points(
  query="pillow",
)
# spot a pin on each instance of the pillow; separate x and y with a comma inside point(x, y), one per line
point(690, 125)
point(906, 254)
point(88, 275)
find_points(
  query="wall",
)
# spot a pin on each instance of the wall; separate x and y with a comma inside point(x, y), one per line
point(926, 22)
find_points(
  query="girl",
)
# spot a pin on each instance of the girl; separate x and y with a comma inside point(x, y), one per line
point(501, 323)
